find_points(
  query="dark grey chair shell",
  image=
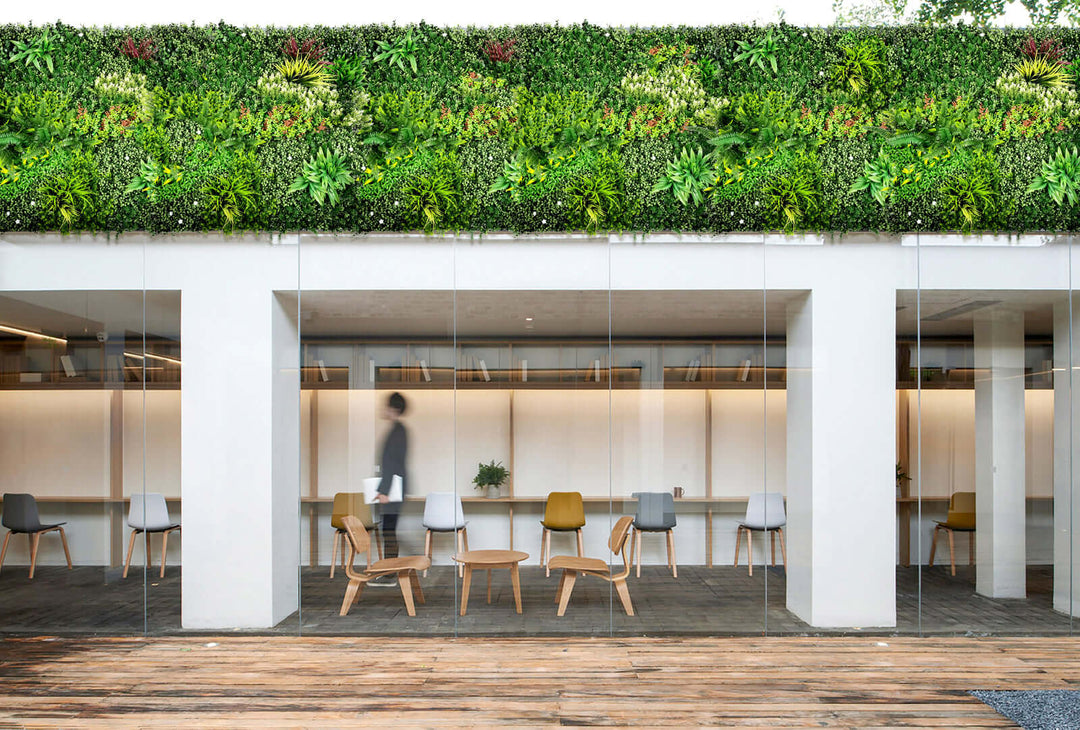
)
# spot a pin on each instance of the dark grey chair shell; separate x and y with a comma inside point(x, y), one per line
point(21, 517)
point(655, 513)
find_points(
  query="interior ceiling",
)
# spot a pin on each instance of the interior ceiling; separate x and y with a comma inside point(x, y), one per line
point(78, 314)
point(639, 314)
point(498, 314)
point(953, 313)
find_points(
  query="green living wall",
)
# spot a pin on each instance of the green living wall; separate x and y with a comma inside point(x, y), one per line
point(538, 128)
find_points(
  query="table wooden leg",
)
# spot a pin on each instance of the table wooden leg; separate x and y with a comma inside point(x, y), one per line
point(465, 583)
point(516, 581)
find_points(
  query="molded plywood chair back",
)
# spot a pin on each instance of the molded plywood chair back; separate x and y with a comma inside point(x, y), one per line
point(764, 513)
point(149, 513)
point(21, 516)
point(443, 513)
point(961, 518)
point(655, 513)
point(573, 566)
point(405, 568)
point(350, 503)
point(563, 512)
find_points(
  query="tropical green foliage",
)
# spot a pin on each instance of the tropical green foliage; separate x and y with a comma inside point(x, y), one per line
point(38, 51)
point(539, 128)
point(1059, 177)
point(323, 176)
point(689, 176)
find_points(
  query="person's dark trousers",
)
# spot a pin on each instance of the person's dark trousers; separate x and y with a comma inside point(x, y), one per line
point(389, 535)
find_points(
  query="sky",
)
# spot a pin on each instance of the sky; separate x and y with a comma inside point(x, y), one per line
point(436, 12)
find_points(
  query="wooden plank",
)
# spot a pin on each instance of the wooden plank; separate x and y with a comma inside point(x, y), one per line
point(248, 681)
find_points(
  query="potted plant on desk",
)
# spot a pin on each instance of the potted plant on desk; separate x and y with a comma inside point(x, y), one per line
point(490, 477)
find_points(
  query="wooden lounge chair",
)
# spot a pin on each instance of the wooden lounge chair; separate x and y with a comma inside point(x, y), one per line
point(404, 568)
point(572, 565)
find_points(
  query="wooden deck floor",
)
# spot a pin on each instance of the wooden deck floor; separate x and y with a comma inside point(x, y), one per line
point(405, 682)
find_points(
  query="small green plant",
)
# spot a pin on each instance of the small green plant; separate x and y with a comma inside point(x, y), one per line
point(152, 177)
point(37, 52)
point(399, 51)
point(323, 177)
point(1060, 177)
point(352, 70)
point(862, 70)
point(1043, 72)
point(490, 475)
point(65, 198)
point(791, 199)
point(759, 51)
point(431, 199)
point(594, 200)
point(880, 177)
point(689, 176)
point(229, 197)
point(972, 198)
point(305, 72)
point(518, 174)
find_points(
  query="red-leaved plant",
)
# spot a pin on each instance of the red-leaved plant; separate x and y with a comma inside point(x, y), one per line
point(1049, 50)
point(144, 50)
point(500, 51)
point(310, 49)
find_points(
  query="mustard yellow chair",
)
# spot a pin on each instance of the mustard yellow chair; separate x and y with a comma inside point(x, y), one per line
point(572, 566)
point(350, 503)
point(564, 512)
point(961, 518)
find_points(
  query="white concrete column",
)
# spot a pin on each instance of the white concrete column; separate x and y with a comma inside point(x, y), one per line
point(240, 444)
point(841, 453)
point(1000, 493)
point(1066, 463)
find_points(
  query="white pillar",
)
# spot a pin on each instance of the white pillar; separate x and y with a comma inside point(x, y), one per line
point(841, 434)
point(1066, 463)
point(240, 442)
point(1000, 493)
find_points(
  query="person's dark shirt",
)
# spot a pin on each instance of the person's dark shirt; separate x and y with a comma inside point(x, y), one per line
point(393, 461)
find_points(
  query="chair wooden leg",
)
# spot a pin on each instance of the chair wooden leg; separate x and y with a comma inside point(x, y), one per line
point(772, 542)
point(952, 551)
point(971, 549)
point(3, 551)
point(465, 538)
point(418, 592)
point(333, 552)
point(933, 545)
point(580, 544)
point(378, 545)
point(489, 585)
point(559, 590)
point(637, 551)
point(569, 577)
point(783, 550)
point(351, 594)
point(164, 549)
point(63, 541)
point(406, 591)
point(34, 539)
point(461, 549)
point(671, 554)
point(131, 548)
point(624, 596)
point(547, 553)
point(750, 551)
point(738, 544)
point(427, 549)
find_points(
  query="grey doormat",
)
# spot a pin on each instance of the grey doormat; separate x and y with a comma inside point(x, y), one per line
point(1047, 709)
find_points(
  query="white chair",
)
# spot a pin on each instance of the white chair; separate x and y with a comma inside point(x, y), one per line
point(443, 513)
point(149, 513)
point(764, 513)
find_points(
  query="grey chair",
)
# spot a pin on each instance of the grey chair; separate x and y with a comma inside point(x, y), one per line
point(149, 513)
point(655, 513)
point(764, 513)
point(21, 516)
